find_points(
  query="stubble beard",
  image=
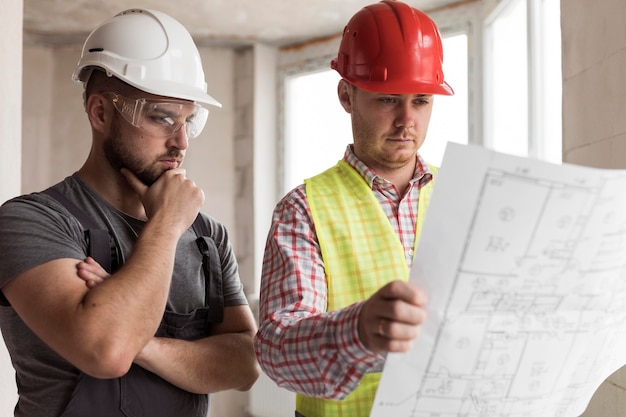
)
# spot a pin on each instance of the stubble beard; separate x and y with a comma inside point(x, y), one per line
point(372, 148)
point(119, 155)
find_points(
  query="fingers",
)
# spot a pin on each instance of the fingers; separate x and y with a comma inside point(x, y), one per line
point(389, 320)
point(91, 272)
point(172, 197)
point(403, 291)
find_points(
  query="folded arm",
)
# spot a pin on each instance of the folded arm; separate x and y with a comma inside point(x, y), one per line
point(101, 331)
point(225, 360)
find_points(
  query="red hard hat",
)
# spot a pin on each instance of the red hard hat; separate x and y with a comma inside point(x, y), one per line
point(391, 47)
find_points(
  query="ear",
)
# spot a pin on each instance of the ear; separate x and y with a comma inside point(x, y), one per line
point(96, 108)
point(344, 92)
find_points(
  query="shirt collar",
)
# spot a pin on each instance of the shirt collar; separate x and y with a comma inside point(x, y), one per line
point(422, 174)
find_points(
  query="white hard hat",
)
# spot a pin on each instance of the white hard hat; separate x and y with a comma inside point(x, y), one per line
point(148, 50)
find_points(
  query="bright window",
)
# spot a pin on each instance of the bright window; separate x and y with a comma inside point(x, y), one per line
point(449, 121)
point(317, 128)
point(523, 79)
point(507, 80)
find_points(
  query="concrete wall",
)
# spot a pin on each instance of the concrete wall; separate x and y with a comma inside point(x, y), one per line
point(10, 149)
point(594, 87)
point(594, 118)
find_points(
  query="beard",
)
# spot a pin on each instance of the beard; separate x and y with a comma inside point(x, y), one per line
point(120, 154)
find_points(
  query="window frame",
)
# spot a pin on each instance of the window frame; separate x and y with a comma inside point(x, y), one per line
point(538, 130)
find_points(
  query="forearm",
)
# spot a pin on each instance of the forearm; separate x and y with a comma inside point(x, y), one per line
point(319, 355)
point(100, 333)
point(127, 308)
point(208, 365)
point(300, 345)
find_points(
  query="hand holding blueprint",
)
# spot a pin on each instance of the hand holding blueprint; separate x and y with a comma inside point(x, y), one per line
point(524, 263)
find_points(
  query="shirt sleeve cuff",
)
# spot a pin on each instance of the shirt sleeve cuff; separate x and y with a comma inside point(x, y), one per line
point(356, 353)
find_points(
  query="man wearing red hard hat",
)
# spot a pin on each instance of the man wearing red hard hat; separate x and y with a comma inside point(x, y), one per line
point(334, 294)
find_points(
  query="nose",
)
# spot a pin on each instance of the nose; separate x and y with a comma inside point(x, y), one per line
point(405, 118)
point(405, 124)
point(179, 139)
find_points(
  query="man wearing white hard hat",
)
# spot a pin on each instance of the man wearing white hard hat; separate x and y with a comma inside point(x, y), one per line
point(119, 297)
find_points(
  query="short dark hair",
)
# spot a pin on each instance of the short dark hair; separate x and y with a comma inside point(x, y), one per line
point(100, 82)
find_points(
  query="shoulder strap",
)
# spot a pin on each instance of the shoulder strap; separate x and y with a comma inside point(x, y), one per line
point(212, 268)
point(98, 238)
point(200, 227)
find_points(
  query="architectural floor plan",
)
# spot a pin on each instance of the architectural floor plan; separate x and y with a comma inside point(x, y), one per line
point(525, 266)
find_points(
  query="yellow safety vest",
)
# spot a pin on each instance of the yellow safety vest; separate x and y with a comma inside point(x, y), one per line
point(361, 253)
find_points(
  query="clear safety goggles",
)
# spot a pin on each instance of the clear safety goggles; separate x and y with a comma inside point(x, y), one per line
point(161, 117)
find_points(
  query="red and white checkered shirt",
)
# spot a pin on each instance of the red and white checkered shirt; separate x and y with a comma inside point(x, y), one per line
point(300, 345)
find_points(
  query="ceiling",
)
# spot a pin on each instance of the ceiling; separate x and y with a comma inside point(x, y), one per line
point(211, 22)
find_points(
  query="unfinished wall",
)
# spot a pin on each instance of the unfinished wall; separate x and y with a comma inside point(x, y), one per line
point(594, 118)
point(594, 87)
point(10, 150)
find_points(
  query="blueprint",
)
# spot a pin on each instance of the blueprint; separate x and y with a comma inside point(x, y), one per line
point(524, 263)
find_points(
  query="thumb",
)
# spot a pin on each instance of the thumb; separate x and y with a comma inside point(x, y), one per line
point(134, 182)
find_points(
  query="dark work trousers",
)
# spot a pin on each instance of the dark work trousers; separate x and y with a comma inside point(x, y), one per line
point(141, 393)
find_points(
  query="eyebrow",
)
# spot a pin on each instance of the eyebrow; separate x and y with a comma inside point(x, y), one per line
point(166, 108)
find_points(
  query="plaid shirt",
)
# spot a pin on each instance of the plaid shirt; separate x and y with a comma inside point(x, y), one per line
point(299, 344)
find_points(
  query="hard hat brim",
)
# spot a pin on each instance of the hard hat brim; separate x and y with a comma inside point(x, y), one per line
point(403, 87)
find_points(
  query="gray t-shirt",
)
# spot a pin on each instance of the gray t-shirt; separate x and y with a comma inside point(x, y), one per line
point(35, 229)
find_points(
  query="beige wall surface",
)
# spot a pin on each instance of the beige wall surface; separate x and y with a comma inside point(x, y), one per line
point(11, 93)
point(594, 85)
point(594, 118)
point(56, 135)
point(10, 150)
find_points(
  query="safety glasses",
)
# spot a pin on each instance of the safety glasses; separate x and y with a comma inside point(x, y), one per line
point(161, 117)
